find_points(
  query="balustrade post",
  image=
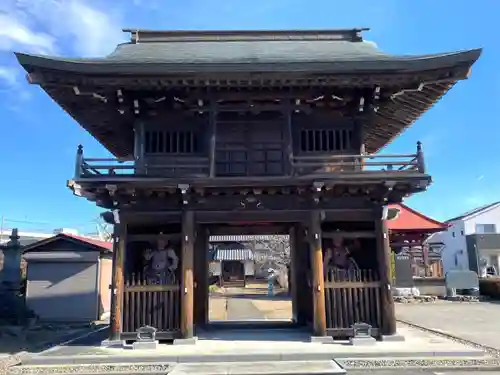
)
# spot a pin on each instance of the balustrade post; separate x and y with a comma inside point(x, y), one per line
point(420, 158)
point(79, 162)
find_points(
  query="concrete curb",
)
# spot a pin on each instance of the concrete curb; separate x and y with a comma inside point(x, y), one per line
point(248, 357)
point(444, 364)
point(345, 364)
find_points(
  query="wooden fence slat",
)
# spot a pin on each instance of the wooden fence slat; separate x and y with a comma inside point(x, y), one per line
point(352, 297)
point(154, 305)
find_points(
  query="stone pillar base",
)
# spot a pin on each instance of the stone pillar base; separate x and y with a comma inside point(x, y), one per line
point(112, 343)
point(190, 341)
point(392, 338)
point(145, 345)
point(322, 339)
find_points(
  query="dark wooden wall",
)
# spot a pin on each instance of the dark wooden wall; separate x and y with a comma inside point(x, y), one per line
point(176, 144)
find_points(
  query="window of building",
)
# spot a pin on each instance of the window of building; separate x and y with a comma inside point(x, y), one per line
point(325, 140)
point(486, 228)
point(171, 142)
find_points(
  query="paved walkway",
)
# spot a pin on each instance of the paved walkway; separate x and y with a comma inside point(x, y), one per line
point(243, 309)
point(477, 322)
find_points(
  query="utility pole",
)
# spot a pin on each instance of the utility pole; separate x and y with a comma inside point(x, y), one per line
point(1, 228)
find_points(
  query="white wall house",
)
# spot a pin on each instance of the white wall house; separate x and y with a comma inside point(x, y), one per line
point(463, 235)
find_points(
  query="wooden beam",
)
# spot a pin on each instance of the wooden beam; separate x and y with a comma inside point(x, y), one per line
point(119, 246)
point(153, 237)
point(187, 287)
point(344, 234)
point(318, 281)
point(384, 264)
point(226, 230)
point(213, 136)
point(216, 217)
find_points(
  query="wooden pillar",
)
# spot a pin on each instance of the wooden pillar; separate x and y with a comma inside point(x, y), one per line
point(384, 264)
point(139, 139)
point(213, 136)
point(318, 281)
point(119, 246)
point(288, 138)
point(187, 289)
point(201, 277)
point(292, 282)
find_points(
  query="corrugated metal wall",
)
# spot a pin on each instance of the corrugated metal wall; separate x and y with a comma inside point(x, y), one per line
point(65, 292)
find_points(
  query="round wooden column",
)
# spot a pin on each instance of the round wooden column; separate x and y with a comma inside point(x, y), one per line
point(119, 245)
point(187, 289)
point(384, 264)
point(318, 280)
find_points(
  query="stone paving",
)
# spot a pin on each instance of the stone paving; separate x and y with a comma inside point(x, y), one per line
point(478, 322)
point(267, 344)
point(249, 303)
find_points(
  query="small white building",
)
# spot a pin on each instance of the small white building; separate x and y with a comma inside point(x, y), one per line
point(472, 241)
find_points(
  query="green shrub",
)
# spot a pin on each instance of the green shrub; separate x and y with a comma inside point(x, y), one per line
point(490, 286)
point(212, 288)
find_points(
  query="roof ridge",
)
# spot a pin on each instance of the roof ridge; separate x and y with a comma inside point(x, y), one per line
point(437, 222)
point(147, 36)
point(473, 211)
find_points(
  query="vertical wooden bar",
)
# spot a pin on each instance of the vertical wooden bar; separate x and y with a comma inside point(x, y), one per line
point(303, 298)
point(139, 146)
point(318, 281)
point(188, 239)
point(384, 264)
point(293, 282)
point(119, 245)
point(288, 138)
point(213, 136)
point(201, 277)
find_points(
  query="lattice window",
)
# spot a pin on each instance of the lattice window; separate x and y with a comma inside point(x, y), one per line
point(171, 142)
point(325, 140)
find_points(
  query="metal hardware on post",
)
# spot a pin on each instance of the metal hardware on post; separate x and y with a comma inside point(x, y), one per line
point(420, 158)
point(79, 162)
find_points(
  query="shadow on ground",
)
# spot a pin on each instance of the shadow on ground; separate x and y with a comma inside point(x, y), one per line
point(261, 297)
point(253, 334)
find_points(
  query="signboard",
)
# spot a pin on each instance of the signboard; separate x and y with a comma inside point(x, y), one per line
point(402, 270)
point(392, 270)
point(461, 279)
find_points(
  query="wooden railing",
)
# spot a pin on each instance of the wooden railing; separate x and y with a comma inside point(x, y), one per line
point(301, 165)
point(356, 163)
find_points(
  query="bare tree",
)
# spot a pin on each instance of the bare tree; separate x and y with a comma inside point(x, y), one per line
point(104, 230)
point(278, 248)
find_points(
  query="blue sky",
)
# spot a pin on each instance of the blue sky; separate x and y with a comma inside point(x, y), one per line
point(461, 134)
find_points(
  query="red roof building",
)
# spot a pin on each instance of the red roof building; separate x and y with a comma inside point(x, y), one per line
point(409, 220)
point(408, 232)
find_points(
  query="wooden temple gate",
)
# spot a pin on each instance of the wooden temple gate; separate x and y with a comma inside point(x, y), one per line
point(328, 300)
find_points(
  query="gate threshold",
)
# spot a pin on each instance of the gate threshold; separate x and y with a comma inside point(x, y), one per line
point(254, 324)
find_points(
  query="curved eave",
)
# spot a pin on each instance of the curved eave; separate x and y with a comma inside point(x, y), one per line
point(391, 120)
point(107, 66)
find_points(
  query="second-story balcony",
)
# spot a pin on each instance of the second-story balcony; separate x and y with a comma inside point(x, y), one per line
point(300, 167)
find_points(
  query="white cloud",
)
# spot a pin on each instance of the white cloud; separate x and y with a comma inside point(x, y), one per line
point(78, 27)
point(13, 34)
point(8, 76)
